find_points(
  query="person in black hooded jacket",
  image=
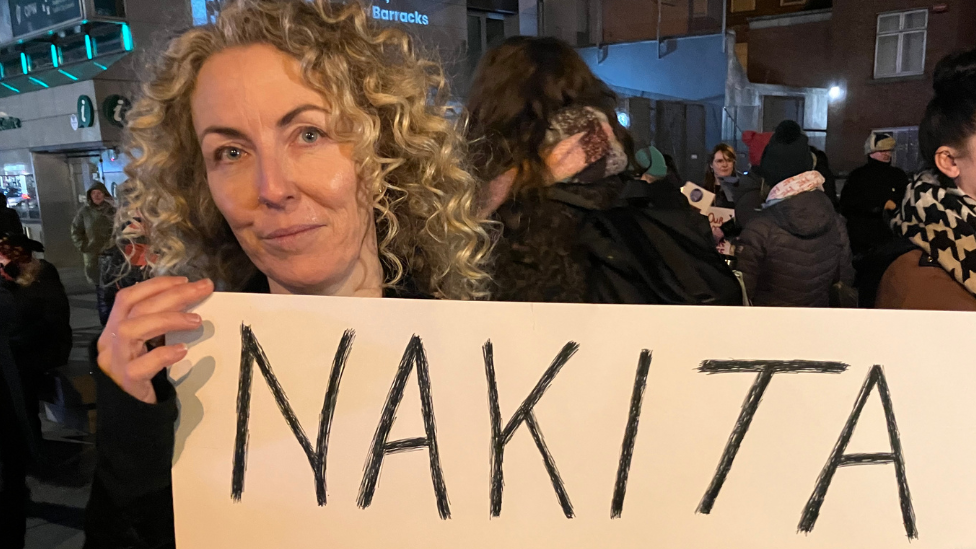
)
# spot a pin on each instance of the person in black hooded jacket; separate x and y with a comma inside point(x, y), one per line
point(796, 248)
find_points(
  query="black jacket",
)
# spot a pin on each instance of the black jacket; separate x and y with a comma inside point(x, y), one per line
point(862, 202)
point(13, 408)
point(42, 337)
point(794, 251)
point(131, 502)
point(539, 256)
point(9, 220)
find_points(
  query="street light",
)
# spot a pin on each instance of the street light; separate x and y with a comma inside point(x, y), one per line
point(835, 93)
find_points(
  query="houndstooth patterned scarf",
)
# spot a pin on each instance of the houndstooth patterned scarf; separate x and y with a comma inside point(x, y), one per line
point(941, 220)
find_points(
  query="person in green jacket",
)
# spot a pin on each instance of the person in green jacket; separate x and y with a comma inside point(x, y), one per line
point(91, 230)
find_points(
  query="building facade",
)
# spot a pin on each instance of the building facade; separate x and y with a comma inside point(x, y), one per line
point(876, 56)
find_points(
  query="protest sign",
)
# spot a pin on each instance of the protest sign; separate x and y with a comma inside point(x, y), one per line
point(377, 423)
point(698, 197)
point(716, 218)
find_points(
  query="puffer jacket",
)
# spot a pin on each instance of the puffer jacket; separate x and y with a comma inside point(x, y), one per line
point(794, 251)
point(91, 231)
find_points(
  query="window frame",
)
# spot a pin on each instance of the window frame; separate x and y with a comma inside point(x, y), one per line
point(733, 10)
point(901, 33)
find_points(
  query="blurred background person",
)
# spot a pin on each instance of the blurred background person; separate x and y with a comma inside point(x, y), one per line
point(91, 233)
point(721, 177)
point(41, 339)
point(545, 135)
point(796, 249)
point(938, 215)
point(869, 190)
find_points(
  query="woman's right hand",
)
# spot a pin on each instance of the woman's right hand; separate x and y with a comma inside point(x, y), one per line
point(141, 313)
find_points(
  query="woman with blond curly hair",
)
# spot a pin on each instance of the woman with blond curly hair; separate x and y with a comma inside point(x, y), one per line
point(292, 147)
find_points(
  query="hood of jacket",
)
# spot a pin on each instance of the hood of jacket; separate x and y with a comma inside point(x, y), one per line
point(97, 187)
point(806, 215)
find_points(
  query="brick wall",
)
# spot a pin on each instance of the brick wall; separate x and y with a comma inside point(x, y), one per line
point(870, 103)
point(797, 55)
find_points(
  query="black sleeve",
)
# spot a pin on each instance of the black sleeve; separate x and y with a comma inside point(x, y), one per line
point(131, 503)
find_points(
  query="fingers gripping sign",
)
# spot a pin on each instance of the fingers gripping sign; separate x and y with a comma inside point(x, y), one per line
point(142, 313)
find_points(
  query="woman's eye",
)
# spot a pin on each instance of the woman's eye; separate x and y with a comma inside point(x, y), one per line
point(229, 153)
point(310, 135)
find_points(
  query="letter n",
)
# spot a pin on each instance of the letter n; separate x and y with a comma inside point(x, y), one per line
point(839, 459)
point(414, 355)
point(252, 352)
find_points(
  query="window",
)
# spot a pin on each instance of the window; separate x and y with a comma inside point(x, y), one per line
point(700, 8)
point(900, 48)
point(743, 5)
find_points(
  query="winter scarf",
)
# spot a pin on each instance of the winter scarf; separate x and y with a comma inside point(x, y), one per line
point(793, 186)
point(582, 149)
point(940, 219)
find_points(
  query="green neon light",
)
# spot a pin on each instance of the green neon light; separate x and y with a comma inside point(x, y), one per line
point(9, 87)
point(69, 75)
point(38, 82)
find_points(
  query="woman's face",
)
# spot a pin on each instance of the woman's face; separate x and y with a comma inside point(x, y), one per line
point(721, 165)
point(290, 193)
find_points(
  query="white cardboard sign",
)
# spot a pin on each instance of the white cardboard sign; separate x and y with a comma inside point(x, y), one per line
point(376, 423)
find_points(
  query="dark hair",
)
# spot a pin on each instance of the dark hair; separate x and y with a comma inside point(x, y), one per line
point(729, 153)
point(518, 87)
point(950, 118)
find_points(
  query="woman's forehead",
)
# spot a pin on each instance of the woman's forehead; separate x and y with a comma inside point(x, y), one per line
point(249, 83)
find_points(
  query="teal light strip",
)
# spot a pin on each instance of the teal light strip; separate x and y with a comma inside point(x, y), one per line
point(69, 75)
point(101, 66)
point(24, 62)
point(126, 37)
point(38, 82)
point(55, 56)
point(9, 87)
point(88, 47)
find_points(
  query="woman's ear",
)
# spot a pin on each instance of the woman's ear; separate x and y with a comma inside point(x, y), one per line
point(945, 161)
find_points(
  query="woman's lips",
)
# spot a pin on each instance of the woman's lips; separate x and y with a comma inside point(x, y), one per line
point(292, 237)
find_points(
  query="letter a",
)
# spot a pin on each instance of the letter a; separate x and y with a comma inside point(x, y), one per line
point(839, 459)
point(414, 354)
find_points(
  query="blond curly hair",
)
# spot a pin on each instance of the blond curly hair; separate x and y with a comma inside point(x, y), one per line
point(391, 104)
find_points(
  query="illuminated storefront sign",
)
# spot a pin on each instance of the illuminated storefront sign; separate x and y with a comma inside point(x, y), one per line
point(409, 17)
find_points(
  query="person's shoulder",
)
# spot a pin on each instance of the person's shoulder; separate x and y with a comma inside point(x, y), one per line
point(915, 281)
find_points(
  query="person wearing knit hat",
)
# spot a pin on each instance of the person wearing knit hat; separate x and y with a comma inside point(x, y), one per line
point(651, 162)
point(796, 248)
point(869, 191)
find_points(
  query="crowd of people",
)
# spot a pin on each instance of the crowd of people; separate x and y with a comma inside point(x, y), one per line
point(347, 176)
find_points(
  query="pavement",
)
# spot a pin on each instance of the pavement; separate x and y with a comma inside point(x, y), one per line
point(61, 481)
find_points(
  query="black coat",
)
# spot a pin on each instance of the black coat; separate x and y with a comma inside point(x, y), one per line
point(9, 220)
point(131, 502)
point(794, 251)
point(42, 337)
point(862, 202)
point(13, 408)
